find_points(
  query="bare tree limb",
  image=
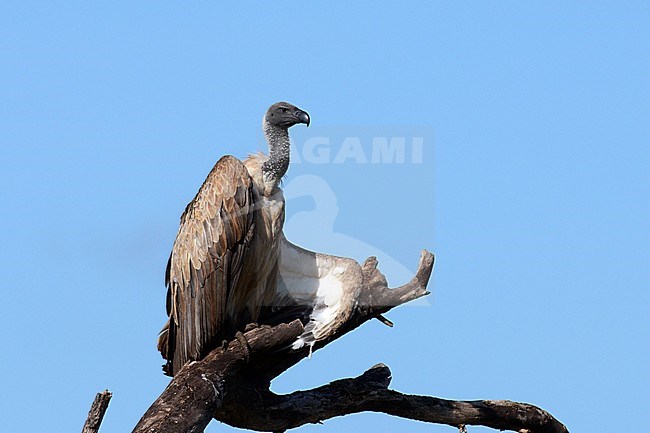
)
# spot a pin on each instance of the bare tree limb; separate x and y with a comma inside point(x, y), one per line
point(369, 392)
point(232, 384)
point(190, 399)
point(97, 411)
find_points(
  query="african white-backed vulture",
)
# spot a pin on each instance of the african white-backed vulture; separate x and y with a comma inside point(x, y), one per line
point(224, 263)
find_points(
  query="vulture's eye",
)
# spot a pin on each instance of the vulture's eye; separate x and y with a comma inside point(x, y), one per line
point(284, 110)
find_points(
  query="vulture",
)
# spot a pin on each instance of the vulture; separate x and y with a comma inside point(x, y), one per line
point(231, 265)
point(224, 264)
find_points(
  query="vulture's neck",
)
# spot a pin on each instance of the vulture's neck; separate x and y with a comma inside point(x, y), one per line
point(279, 149)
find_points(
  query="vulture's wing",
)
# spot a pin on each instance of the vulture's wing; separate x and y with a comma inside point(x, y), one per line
point(206, 261)
point(327, 286)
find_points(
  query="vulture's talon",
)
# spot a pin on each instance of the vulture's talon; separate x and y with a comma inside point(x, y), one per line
point(251, 326)
point(224, 344)
point(244, 345)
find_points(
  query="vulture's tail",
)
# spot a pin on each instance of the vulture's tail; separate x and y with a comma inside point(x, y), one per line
point(165, 347)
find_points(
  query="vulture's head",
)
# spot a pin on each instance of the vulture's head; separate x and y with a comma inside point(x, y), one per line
point(285, 115)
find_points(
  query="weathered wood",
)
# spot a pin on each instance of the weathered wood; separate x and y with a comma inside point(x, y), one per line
point(269, 412)
point(198, 389)
point(97, 411)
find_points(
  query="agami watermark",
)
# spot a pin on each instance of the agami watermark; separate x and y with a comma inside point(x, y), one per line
point(361, 145)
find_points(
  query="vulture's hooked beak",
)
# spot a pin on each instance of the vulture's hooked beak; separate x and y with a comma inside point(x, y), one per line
point(303, 117)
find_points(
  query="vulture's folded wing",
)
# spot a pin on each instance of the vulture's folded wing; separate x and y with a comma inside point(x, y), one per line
point(326, 286)
point(206, 260)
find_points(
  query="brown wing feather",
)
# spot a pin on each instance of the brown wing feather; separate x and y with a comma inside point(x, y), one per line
point(205, 263)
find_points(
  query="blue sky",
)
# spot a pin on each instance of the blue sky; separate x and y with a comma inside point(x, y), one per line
point(532, 189)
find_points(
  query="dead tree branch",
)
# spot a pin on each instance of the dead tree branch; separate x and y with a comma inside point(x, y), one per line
point(97, 411)
point(232, 384)
point(267, 411)
point(190, 399)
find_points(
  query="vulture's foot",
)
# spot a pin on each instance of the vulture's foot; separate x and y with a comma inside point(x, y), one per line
point(224, 344)
point(251, 326)
point(244, 345)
